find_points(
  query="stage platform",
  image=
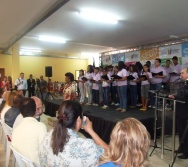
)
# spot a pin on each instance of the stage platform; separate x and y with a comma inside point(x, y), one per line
point(104, 120)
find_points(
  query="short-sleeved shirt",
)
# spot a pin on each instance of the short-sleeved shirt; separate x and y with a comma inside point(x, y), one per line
point(157, 70)
point(146, 82)
point(96, 77)
point(80, 84)
point(168, 70)
point(105, 83)
point(135, 75)
point(77, 152)
point(89, 76)
point(122, 73)
point(69, 92)
point(22, 84)
point(109, 164)
point(177, 69)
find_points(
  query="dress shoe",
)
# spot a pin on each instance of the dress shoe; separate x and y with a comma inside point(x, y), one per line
point(183, 156)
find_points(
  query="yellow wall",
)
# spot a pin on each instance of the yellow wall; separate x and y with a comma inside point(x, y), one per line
point(6, 62)
point(36, 66)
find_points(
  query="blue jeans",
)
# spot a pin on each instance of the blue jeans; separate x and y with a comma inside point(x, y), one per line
point(115, 94)
point(89, 92)
point(122, 92)
point(95, 94)
point(133, 90)
point(152, 95)
point(106, 95)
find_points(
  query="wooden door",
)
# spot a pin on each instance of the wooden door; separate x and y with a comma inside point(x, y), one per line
point(2, 73)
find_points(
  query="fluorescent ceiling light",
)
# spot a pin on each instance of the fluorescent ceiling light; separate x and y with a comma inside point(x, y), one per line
point(51, 39)
point(25, 51)
point(98, 16)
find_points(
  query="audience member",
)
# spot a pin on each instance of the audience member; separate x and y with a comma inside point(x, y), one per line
point(14, 111)
point(88, 84)
point(122, 86)
point(39, 108)
point(3, 102)
point(31, 86)
point(62, 145)
point(9, 102)
point(28, 135)
point(69, 92)
point(129, 145)
point(81, 86)
point(21, 84)
point(10, 82)
point(38, 112)
point(4, 84)
point(43, 86)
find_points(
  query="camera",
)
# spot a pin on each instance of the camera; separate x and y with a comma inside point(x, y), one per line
point(84, 120)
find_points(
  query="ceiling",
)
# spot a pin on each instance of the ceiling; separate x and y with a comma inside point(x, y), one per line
point(140, 22)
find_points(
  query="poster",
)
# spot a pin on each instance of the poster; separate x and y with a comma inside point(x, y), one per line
point(118, 57)
point(106, 60)
point(132, 56)
point(185, 62)
point(185, 50)
point(170, 51)
point(149, 54)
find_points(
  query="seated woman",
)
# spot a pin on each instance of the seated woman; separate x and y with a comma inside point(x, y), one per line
point(9, 102)
point(63, 147)
point(129, 145)
point(69, 92)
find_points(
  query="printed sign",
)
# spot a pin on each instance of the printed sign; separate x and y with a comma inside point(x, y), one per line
point(107, 59)
point(170, 51)
point(185, 50)
point(132, 56)
point(118, 57)
point(149, 54)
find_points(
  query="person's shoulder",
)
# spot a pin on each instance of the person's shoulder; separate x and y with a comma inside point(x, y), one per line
point(109, 164)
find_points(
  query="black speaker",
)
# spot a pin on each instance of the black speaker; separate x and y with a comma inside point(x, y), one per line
point(48, 71)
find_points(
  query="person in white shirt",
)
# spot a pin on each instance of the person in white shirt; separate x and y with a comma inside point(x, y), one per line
point(106, 80)
point(88, 84)
point(28, 135)
point(95, 88)
point(21, 83)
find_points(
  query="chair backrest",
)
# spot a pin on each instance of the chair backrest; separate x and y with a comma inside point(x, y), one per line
point(21, 160)
point(7, 130)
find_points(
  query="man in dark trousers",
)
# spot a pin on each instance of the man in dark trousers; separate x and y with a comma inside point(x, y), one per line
point(182, 113)
point(31, 86)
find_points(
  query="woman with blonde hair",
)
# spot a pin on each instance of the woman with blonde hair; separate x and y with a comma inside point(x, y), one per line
point(9, 102)
point(129, 145)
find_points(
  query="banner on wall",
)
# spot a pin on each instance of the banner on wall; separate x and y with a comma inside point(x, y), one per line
point(106, 59)
point(132, 56)
point(118, 57)
point(163, 61)
point(149, 54)
point(170, 51)
point(185, 50)
point(185, 62)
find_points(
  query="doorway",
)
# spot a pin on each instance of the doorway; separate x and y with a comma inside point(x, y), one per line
point(2, 73)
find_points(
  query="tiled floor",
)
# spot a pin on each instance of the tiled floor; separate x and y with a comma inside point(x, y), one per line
point(155, 159)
